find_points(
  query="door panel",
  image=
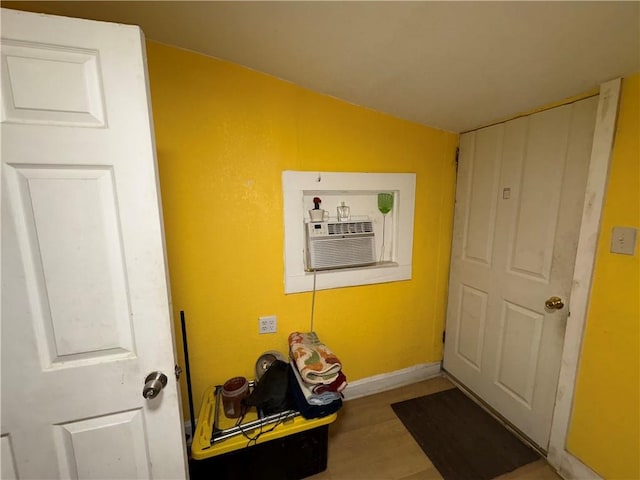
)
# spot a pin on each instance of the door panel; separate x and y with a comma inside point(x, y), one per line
point(80, 445)
point(480, 197)
point(518, 349)
point(472, 314)
point(69, 226)
point(8, 466)
point(521, 187)
point(537, 199)
point(32, 70)
point(85, 303)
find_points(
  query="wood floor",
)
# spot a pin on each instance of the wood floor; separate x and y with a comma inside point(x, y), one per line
point(369, 442)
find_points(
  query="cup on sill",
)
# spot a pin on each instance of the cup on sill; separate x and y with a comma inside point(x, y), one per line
point(318, 215)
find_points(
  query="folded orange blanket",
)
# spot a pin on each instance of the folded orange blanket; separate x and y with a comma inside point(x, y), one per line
point(316, 363)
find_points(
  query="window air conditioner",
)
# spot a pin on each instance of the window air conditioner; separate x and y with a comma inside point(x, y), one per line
point(332, 245)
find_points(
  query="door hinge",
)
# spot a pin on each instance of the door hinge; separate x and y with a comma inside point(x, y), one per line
point(444, 335)
point(178, 371)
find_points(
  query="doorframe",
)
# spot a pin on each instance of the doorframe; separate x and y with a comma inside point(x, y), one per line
point(568, 465)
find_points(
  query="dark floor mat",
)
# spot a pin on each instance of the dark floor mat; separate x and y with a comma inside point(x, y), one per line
point(462, 440)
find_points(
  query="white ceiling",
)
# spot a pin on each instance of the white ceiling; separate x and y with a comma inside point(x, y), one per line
point(449, 65)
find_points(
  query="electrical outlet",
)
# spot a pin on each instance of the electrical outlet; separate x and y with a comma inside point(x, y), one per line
point(267, 324)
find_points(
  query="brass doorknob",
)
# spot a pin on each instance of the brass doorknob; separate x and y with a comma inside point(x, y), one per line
point(554, 303)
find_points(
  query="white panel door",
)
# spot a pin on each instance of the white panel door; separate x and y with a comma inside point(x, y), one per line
point(85, 304)
point(519, 201)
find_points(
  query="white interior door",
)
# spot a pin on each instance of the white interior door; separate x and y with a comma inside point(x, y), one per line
point(85, 308)
point(520, 195)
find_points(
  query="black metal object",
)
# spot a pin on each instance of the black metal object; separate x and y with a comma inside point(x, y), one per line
point(188, 373)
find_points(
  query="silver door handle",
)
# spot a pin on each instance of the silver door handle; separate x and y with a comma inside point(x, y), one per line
point(153, 384)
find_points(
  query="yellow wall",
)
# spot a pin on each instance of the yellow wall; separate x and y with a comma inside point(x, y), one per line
point(224, 135)
point(605, 427)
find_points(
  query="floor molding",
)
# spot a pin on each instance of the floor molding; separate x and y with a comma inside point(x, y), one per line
point(388, 381)
point(571, 467)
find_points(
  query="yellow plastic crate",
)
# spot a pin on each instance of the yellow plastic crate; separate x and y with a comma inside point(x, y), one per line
point(202, 448)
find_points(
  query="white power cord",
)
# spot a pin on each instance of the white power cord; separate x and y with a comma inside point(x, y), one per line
point(313, 298)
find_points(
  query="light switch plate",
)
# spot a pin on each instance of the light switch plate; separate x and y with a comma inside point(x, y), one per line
point(623, 240)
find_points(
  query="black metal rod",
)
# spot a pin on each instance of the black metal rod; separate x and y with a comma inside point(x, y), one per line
point(188, 374)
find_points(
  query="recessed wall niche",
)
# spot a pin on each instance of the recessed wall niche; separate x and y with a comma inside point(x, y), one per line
point(358, 191)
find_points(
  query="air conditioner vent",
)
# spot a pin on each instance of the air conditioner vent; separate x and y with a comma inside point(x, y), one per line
point(345, 228)
point(340, 245)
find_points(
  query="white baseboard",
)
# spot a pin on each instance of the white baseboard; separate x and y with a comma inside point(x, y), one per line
point(571, 468)
point(391, 380)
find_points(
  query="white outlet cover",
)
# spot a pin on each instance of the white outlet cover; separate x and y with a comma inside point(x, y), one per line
point(267, 324)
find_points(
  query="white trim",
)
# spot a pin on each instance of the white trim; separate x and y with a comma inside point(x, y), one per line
point(558, 456)
point(333, 187)
point(391, 380)
point(573, 468)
